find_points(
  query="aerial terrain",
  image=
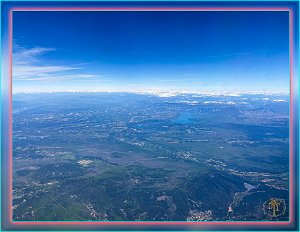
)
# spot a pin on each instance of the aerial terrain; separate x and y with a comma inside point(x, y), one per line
point(124, 156)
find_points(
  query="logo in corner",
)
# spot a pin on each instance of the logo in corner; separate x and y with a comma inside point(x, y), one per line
point(274, 207)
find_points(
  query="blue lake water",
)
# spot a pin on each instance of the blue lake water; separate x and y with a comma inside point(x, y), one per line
point(184, 118)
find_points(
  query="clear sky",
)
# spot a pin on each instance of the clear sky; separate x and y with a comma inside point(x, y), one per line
point(139, 51)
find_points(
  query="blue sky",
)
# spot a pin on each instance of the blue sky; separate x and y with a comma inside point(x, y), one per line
point(140, 51)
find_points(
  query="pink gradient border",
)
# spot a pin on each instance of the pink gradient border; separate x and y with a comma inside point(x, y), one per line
point(229, 223)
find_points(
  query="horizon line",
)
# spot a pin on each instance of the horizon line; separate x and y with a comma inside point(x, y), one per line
point(161, 92)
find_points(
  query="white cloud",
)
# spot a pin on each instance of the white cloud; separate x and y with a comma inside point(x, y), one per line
point(22, 72)
point(57, 77)
point(24, 56)
point(279, 100)
point(28, 65)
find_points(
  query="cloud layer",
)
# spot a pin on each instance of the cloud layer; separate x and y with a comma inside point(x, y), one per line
point(28, 65)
